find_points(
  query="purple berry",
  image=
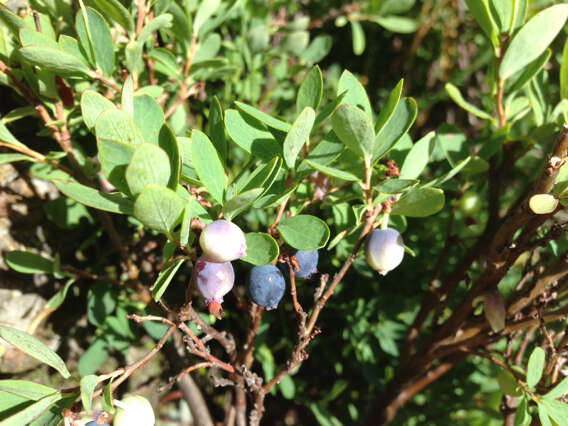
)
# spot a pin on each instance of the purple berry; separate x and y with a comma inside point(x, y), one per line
point(385, 250)
point(266, 286)
point(308, 263)
point(223, 241)
point(214, 280)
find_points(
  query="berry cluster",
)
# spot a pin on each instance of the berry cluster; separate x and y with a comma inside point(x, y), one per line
point(223, 242)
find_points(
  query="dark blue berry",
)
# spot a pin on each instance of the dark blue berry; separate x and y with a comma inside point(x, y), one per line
point(308, 263)
point(266, 286)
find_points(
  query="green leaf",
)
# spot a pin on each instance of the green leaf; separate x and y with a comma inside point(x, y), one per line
point(358, 37)
point(148, 117)
point(524, 77)
point(457, 97)
point(397, 24)
point(317, 50)
point(522, 416)
point(93, 105)
point(287, 387)
point(26, 390)
point(396, 186)
point(106, 400)
point(564, 73)
point(389, 108)
point(127, 96)
point(333, 172)
point(206, 9)
point(159, 208)
point(169, 143)
point(32, 412)
point(7, 137)
point(54, 60)
point(251, 135)
point(556, 410)
point(12, 158)
point(304, 232)
point(262, 249)
point(311, 90)
point(329, 109)
point(417, 158)
point(535, 367)
point(88, 385)
point(241, 202)
point(118, 126)
point(420, 202)
point(34, 348)
point(58, 298)
point(354, 128)
point(356, 94)
point(33, 38)
point(328, 150)
point(298, 135)
point(533, 39)
point(71, 45)
point(186, 224)
point(96, 39)
point(263, 117)
point(216, 129)
point(11, 20)
point(149, 164)
point(165, 278)
point(94, 357)
point(480, 11)
point(543, 415)
point(28, 263)
point(403, 117)
point(116, 11)
point(114, 203)
point(208, 165)
point(259, 176)
point(559, 390)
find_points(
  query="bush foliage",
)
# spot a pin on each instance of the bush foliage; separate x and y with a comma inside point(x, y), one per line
point(307, 125)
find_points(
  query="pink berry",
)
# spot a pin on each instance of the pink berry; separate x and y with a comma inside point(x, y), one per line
point(214, 280)
point(223, 241)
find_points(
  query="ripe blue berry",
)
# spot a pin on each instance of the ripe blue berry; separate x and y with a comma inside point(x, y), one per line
point(223, 241)
point(308, 263)
point(266, 286)
point(214, 280)
point(93, 423)
point(385, 250)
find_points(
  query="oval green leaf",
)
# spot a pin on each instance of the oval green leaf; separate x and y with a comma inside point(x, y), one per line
point(114, 203)
point(34, 348)
point(533, 39)
point(298, 135)
point(28, 263)
point(262, 249)
point(420, 202)
point(304, 232)
point(149, 164)
point(355, 129)
point(535, 367)
point(208, 165)
point(159, 208)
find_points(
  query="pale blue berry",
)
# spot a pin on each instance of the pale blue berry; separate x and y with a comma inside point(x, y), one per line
point(385, 250)
point(266, 286)
point(223, 241)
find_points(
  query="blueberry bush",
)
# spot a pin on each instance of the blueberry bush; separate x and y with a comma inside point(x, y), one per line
point(280, 212)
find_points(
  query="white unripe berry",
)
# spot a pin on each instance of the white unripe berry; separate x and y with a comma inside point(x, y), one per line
point(385, 250)
point(134, 410)
point(223, 241)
